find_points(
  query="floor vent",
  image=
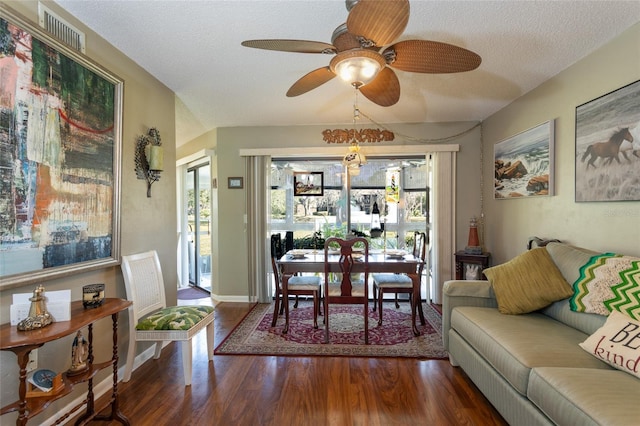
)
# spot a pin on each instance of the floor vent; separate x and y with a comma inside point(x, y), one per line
point(61, 29)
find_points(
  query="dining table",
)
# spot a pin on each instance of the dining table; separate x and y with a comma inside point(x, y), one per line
point(312, 261)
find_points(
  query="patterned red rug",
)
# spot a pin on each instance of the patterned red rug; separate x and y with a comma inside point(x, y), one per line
point(255, 336)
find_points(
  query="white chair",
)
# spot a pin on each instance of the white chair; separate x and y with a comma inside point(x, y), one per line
point(151, 320)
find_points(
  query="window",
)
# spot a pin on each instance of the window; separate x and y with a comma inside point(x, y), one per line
point(330, 214)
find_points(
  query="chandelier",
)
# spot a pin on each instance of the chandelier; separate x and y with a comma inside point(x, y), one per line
point(354, 158)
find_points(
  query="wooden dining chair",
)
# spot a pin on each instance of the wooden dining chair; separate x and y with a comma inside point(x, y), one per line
point(150, 319)
point(297, 285)
point(400, 283)
point(346, 292)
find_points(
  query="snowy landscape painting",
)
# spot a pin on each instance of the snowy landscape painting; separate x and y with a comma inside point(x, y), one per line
point(524, 163)
point(608, 146)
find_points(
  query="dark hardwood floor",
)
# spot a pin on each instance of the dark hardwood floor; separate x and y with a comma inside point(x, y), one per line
point(270, 390)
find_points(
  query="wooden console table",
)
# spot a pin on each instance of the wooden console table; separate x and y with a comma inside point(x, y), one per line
point(463, 258)
point(23, 342)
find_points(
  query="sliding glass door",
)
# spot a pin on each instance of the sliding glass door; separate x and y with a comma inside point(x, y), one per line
point(198, 187)
point(312, 200)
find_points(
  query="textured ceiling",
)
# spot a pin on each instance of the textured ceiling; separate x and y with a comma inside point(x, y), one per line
point(193, 47)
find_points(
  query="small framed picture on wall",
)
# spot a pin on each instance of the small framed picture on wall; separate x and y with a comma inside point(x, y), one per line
point(308, 183)
point(235, 183)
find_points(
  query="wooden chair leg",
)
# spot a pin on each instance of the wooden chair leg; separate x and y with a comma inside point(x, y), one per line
point(421, 313)
point(282, 302)
point(276, 308)
point(295, 304)
point(316, 308)
point(379, 301)
point(397, 304)
point(326, 316)
point(375, 297)
point(366, 320)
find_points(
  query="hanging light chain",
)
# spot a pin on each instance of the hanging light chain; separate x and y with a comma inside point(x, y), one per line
point(411, 138)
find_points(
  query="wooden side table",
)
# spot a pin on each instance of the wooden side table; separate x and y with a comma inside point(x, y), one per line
point(23, 342)
point(463, 258)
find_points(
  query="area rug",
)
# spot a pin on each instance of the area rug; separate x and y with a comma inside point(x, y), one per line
point(191, 293)
point(255, 336)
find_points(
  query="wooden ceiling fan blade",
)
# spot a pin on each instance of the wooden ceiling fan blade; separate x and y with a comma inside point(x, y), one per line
point(297, 46)
point(310, 81)
point(431, 57)
point(382, 21)
point(384, 90)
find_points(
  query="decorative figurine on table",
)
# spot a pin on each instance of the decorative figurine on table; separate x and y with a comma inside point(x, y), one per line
point(38, 315)
point(473, 244)
point(92, 295)
point(78, 355)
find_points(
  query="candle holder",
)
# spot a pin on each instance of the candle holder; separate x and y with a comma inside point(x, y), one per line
point(149, 157)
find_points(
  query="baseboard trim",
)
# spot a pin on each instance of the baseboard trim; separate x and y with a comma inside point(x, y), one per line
point(237, 299)
point(102, 388)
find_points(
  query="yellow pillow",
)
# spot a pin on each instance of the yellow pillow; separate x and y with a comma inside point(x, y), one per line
point(528, 282)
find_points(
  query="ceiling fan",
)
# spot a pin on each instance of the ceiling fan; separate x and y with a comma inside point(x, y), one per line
point(361, 57)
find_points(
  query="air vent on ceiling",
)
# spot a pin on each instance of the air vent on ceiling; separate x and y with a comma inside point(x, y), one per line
point(61, 29)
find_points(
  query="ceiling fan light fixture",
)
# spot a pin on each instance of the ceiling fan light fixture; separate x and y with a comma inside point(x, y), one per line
point(357, 67)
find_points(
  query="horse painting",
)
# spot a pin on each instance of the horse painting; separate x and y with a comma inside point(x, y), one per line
point(608, 150)
point(633, 147)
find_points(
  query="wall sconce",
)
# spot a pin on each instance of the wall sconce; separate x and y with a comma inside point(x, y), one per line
point(149, 157)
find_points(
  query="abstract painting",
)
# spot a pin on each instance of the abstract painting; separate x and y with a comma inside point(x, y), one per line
point(60, 136)
point(608, 146)
point(524, 163)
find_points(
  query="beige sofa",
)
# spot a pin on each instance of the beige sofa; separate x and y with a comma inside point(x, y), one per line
point(530, 366)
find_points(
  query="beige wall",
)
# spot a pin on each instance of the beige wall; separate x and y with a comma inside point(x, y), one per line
point(147, 223)
point(602, 226)
point(230, 278)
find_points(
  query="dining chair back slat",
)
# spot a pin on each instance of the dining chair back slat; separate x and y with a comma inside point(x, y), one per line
point(347, 261)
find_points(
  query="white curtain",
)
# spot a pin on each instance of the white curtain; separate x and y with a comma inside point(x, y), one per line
point(444, 217)
point(257, 243)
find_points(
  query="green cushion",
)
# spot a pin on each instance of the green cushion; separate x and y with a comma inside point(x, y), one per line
point(528, 282)
point(175, 318)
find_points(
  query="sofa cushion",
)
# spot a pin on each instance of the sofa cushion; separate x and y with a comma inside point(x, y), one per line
point(617, 343)
point(528, 282)
point(561, 311)
point(515, 344)
point(581, 396)
point(569, 259)
point(608, 282)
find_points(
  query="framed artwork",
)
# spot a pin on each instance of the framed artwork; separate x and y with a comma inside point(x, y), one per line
point(524, 163)
point(308, 183)
point(60, 138)
point(235, 183)
point(608, 146)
